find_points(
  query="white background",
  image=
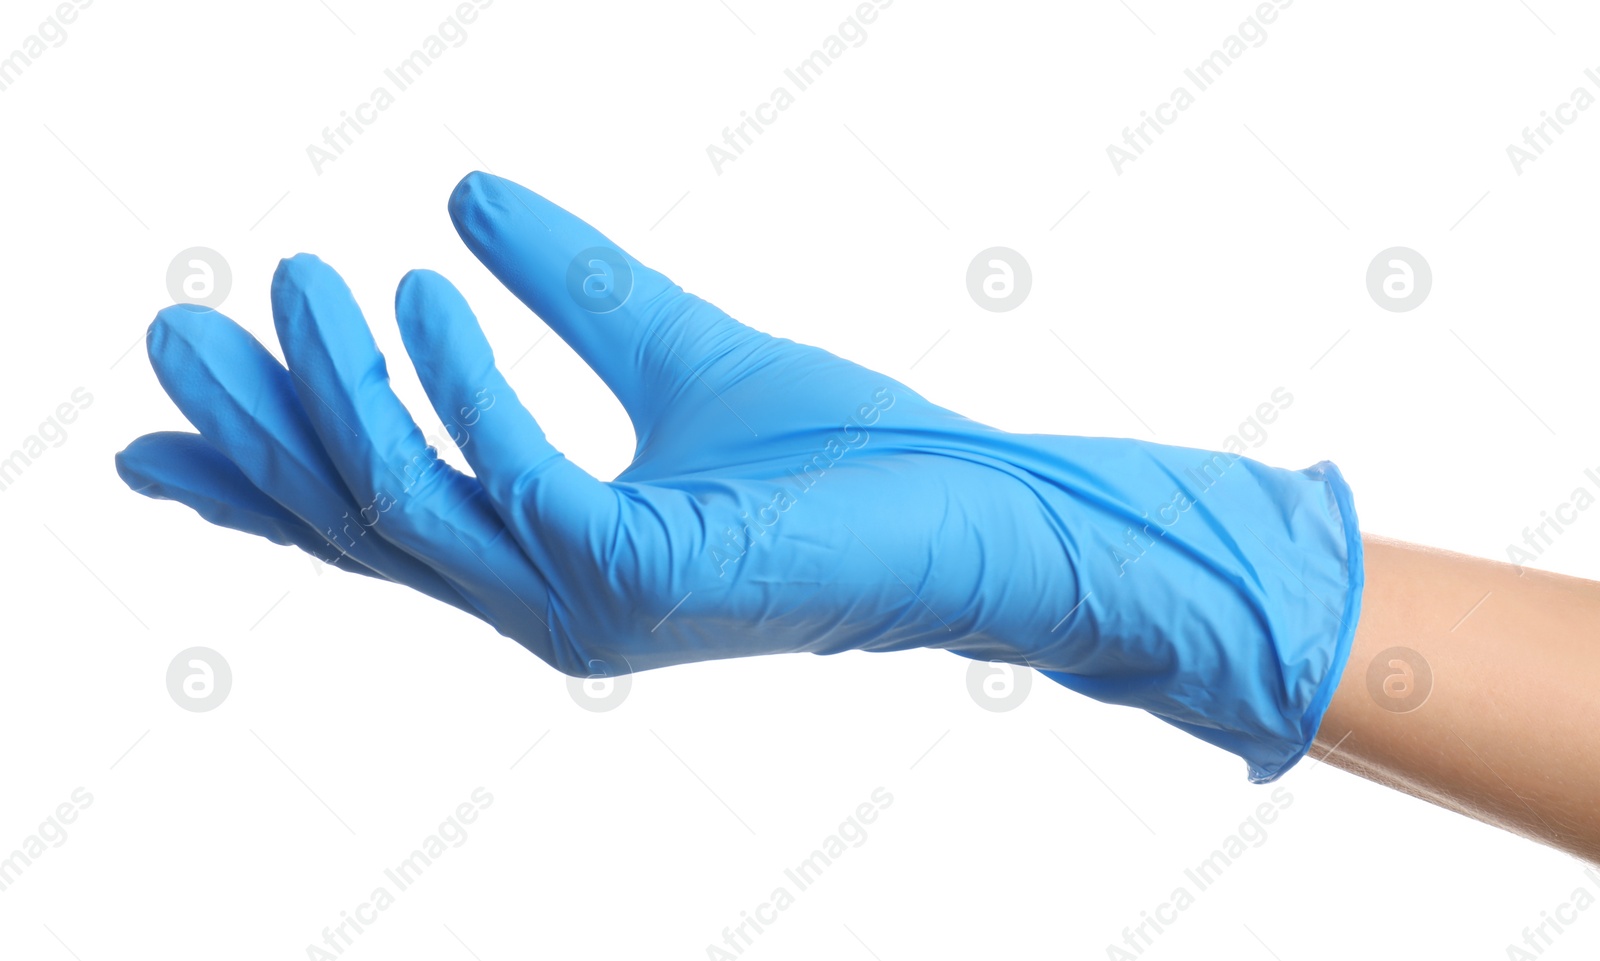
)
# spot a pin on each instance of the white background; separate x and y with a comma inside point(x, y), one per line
point(1223, 264)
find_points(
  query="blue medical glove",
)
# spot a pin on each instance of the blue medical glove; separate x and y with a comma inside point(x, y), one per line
point(780, 498)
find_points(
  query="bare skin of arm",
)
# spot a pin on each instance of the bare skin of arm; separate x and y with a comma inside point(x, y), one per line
point(1509, 731)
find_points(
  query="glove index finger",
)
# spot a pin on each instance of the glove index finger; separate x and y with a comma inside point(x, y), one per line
point(637, 329)
point(532, 486)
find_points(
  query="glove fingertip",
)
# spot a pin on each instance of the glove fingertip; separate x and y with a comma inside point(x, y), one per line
point(178, 320)
point(473, 193)
point(130, 469)
point(419, 292)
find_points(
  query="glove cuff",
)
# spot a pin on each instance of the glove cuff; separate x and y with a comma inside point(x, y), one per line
point(1344, 505)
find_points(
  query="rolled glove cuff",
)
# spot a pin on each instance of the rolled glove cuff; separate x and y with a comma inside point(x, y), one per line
point(1235, 621)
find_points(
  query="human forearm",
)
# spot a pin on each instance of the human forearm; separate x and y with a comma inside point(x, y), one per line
point(1506, 733)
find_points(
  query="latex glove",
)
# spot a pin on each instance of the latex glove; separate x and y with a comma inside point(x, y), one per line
point(780, 498)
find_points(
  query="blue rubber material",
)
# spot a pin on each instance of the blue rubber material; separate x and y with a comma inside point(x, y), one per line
point(781, 499)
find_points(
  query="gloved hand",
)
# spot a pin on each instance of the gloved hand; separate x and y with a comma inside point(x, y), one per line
point(780, 498)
